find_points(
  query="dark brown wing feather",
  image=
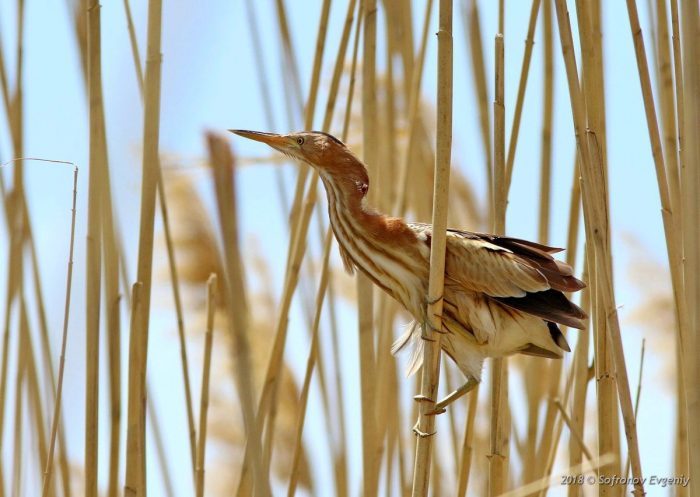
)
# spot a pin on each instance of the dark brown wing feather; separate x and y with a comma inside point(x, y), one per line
point(550, 305)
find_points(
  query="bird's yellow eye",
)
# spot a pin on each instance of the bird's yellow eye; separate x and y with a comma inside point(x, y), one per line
point(300, 141)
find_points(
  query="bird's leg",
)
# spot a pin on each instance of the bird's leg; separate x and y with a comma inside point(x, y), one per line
point(441, 406)
point(416, 430)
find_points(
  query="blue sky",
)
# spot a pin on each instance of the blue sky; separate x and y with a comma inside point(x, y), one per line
point(209, 82)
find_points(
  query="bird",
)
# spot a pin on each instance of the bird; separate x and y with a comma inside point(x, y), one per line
point(501, 296)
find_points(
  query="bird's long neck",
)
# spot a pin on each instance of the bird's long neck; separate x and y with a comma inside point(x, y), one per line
point(383, 248)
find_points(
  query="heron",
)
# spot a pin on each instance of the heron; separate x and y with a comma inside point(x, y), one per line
point(501, 296)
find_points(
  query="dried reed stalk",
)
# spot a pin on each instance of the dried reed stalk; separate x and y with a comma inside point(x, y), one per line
point(433, 326)
point(474, 41)
point(22, 354)
point(204, 399)
point(309, 110)
point(413, 115)
point(236, 305)
point(135, 480)
point(138, 354)
point(64, 340)
point(296, 252)
point(595, 202)
point(497, 453)
point(172, 266)
point(575, 434)
point(690, 181)
point(465, 461)
point(364, 286)
point(93, 248)
point(580, 375)
point(522, 85)
point(547, 116)
point(310, 365)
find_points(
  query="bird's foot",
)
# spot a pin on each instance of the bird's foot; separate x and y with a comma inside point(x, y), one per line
point(441, 406)
point(430, 326)
point(422, 398)
point(433, 301)
point(421, 434)
point(433, 412)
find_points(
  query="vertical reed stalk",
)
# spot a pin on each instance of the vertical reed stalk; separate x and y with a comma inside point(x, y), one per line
point(433, 327)
point(413, 117)
point(499, 387)
point(520, 99)
point(135, 483)
point(296, 252)
point(547, 115)
point(690, 182)
point(204, 399)
point(364, 286)
point(474, 40)
point(595, 202)
point(236, 305)
point(310, 365)
point(172, 266)
point(93, 248)
point(62, 358)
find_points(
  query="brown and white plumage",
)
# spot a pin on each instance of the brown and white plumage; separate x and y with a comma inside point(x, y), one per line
point(502, 295)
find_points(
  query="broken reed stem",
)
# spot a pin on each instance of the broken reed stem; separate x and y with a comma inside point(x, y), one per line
point(204, 399)
point(64, 341)
point(520, 99)
point(433, 327)
point(135, 482)
point(310, 365)
point(93, 249)
point(365, 292)
point(596, 218)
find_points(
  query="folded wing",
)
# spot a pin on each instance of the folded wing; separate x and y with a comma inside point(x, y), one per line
point(520, 274)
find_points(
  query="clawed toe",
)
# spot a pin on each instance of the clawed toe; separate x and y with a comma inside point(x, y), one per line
point(420, 433)
point(434, 301)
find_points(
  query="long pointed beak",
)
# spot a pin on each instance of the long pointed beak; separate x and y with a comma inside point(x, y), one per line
point(271, 139)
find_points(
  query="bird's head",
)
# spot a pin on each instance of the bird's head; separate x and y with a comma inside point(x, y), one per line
point(322, 151)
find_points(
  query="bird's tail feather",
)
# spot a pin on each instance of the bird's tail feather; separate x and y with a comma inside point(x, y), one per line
point(412, 336)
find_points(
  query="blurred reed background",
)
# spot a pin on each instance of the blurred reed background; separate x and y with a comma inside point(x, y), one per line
point(214, 345)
